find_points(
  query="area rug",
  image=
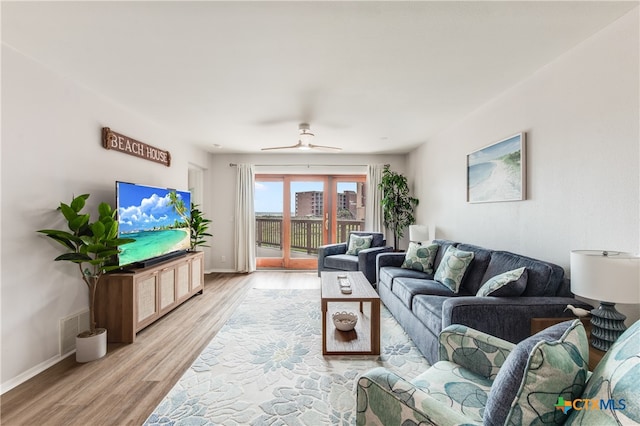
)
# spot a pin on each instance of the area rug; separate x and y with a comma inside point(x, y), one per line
point(265, 367)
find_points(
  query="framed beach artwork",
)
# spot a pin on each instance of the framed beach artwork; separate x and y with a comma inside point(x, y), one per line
point(498, 172)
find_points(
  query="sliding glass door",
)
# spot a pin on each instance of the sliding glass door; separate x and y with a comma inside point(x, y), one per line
point(306, 224)
point(347, 206)
point(295, 214)
point(268, 202)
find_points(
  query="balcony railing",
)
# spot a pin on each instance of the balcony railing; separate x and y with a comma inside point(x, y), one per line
point(306, 233)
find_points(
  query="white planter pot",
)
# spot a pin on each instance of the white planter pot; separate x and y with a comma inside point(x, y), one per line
point(92, 347)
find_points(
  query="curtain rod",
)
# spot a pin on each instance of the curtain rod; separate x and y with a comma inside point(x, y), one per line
point(307, 165)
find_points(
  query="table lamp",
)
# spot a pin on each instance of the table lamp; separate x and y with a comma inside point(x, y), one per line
point(418, 233)
point(610, 277)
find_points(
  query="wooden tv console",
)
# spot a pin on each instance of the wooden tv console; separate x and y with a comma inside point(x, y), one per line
point(127, 302)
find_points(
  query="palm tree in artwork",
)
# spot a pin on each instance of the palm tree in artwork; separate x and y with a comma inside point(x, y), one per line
point(178, 206)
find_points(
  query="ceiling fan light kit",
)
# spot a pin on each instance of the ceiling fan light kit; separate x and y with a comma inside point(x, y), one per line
point(305, 137)
point(305, 129)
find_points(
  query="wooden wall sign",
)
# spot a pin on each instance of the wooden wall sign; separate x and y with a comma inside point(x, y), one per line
point(122, 143)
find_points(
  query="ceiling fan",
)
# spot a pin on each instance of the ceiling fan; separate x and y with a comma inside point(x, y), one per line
point(304, 141)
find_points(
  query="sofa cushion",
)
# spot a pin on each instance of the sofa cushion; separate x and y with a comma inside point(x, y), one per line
point(462, 390)
point(452, 268)
point(444, 245)
point(543, 278)
point(406, 288)
point(357, 243)
point(344, 262)
point(389, 273)
point(472, 280)
point(420, 257)
point(539, 370)
point(428, 309)
point(378, 237)
point(614, 378)
point(508, 284)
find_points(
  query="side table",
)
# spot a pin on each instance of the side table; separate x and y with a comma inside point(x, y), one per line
point(595, 355)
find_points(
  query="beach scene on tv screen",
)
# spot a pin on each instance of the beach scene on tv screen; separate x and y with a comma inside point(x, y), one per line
point(149, 215)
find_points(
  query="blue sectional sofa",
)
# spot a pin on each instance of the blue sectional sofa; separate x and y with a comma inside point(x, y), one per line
point(424, 306)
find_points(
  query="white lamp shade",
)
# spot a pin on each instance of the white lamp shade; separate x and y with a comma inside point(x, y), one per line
point(418, 233)
point(614, 277)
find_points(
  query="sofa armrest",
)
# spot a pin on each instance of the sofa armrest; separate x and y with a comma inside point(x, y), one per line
point(367, 261)
point(386, 398)
point(488, 314)
point(474, 350)
point(329, 250)
point(390, 259)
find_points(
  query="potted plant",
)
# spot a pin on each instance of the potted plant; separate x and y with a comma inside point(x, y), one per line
point(92, 246)
point(199, 225)
point(397, 204)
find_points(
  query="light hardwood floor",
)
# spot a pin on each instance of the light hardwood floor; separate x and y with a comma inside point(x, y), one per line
point(126, 385)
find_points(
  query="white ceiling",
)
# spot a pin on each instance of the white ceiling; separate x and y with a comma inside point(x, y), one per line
point(370, 77)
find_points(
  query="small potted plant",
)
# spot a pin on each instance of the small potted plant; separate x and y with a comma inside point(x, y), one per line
point(199, 225)
point(397, 204)
point(92, 246)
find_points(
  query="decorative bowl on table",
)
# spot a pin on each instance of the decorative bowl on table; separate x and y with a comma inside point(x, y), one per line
point(345, 321)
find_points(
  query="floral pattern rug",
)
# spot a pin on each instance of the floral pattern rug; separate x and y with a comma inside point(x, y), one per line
point(265, 367)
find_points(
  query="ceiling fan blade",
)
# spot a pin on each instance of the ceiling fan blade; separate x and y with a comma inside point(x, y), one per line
point(298, 145)
point(305, 134)
point(324, 147)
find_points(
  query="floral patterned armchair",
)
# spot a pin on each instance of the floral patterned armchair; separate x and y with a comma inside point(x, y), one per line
point(481, 379)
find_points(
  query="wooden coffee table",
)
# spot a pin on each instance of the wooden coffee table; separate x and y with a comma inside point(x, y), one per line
point(365, 338)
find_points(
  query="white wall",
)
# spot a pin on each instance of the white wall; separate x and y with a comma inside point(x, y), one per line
point(51, 150)
point(222, 181)
point(581, 115)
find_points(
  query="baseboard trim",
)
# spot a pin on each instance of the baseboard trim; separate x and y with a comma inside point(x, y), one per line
point(21, 378)
point(211, 271)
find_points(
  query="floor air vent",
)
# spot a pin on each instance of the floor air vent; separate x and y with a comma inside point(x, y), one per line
point(69, 329)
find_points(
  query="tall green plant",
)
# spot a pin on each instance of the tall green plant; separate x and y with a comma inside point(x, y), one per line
point(198, 225)
point(90, 245)
point(397, 204)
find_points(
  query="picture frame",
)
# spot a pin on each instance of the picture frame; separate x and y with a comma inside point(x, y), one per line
point(498, 171)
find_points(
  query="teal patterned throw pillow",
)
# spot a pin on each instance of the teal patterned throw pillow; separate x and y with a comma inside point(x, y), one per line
point(452, 267)
point(549, 365)
point(420, 257)
point(357, 243)
point(508, 284)
point(614, 378)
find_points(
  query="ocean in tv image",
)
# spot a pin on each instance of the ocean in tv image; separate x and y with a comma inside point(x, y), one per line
point(495, 172)
point(149, 215)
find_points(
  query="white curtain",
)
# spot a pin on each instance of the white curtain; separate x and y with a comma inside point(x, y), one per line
point(373, 208)
point(245, 232)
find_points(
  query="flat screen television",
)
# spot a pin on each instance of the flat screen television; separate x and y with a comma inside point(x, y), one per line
point(156, 218)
